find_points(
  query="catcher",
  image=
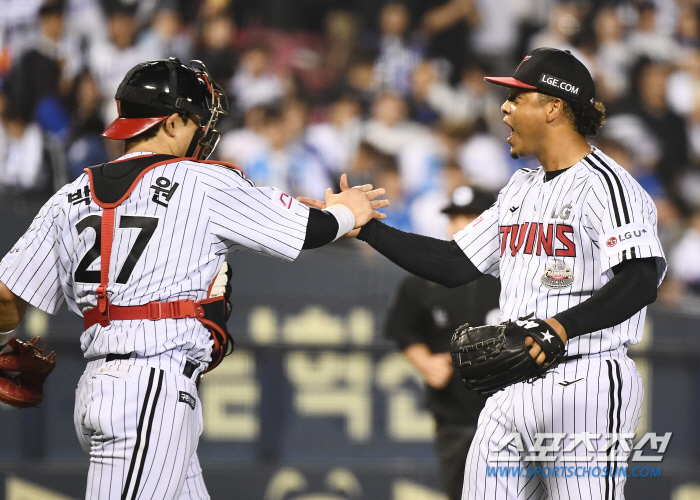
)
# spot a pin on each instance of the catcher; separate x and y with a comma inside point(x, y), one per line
point(138, 247)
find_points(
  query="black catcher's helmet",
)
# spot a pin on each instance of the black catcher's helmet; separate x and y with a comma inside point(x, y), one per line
point(153, 90)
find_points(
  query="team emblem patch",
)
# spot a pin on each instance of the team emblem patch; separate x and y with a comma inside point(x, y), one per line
point(187, 398)
point(521, 62)
point(557, 276)
point(611, 242)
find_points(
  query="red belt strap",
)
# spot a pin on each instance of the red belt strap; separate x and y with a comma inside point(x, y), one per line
point(153, 310)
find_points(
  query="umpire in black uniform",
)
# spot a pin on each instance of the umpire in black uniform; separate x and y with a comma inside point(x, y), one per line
point(422, 320)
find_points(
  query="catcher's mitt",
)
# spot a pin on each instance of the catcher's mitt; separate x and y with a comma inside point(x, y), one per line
point(490, 358)
point(23, 371)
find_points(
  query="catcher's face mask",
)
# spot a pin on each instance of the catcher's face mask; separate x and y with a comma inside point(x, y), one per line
point(207, 137)
point(154, 90)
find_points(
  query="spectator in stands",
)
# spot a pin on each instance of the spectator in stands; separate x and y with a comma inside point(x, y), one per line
point(240, 145)
point(364, 164)
point(683, 261)
point(166, 38)
point(340, 42)
point(25, 161)
point(216, 48)
point(307, 171)
point(646, 40)
point(109, 60)
point(335, 141)
point(85, 146)
point(671, 222)
point(484, 161)
point(320, 64)
point(426, 213)
point(86, 21)
point(422, 78)
point(254, 83)
point(267, 162)
point(669, 128)
point(397, 55)
point(283, 161)
point(360, 81)
point(495, 37)
point(473, 99)
point(688, 31)
point(694, 126)
point(564, 24)
point(386, 174)
point(422, 160)
point(17, 22)
point(613, 56)
point(35, 84)
point(447, 26)
point(389, 128)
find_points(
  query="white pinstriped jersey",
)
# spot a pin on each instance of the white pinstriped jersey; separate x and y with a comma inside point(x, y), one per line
point(554, 243)
point(172, 234)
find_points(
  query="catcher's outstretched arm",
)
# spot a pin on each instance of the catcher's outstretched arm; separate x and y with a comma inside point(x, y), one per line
point(12, 309)
point(436, 260)
point(321, 229)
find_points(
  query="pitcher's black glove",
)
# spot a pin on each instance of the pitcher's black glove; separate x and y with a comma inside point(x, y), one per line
point(490, 358)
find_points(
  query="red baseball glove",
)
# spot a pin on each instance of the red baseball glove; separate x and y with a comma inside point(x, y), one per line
point(23, 371)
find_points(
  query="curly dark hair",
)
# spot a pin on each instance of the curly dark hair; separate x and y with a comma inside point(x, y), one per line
point(586, 117)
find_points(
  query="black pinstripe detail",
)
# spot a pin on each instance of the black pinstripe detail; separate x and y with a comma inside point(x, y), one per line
point(612, 196)
point(139, 436)
point(617, 429)
point(623, 200)
point(610, 188)
point(610, 481)
point(148, 434)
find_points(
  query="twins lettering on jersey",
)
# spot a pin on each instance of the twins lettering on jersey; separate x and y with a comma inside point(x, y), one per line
point(538, 238)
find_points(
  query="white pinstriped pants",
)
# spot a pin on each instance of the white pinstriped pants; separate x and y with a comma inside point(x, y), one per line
point(608, 399)
point(140, 431)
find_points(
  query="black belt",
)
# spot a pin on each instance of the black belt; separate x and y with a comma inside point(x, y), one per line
point(571, 358)
point(187, 371)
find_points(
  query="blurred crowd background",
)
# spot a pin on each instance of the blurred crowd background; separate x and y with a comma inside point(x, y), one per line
point(390, 92)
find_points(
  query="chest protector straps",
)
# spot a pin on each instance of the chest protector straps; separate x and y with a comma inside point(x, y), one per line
point(110, 185)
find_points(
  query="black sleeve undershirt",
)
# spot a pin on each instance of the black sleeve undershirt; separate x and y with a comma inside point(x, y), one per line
point(632, 288)
point(321, 229)
point(440, 261)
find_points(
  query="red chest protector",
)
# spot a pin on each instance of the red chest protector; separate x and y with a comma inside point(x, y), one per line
point(111, 184)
